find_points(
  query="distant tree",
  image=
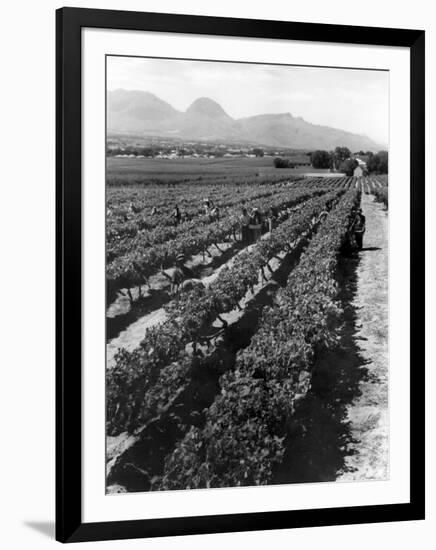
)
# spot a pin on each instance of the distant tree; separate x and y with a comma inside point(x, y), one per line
point(333, 163)
point(280, 162)
point(378, 163)
point(347, 166)
point(258, 152)
point(342, 153)
point(320, 159)
point(372, 163)
point(384, 162)
point(146, 151)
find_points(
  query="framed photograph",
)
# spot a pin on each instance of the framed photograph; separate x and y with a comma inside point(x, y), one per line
point(240, 274)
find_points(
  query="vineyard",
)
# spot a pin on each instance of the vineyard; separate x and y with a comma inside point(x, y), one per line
point(205, 384)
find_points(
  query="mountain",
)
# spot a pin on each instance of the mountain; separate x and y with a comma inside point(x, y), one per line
point(206, 119)
point(286, 130)
point(204, 106)
point(138, 112)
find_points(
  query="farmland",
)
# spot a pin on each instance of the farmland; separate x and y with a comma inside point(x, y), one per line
point(139, 171)
point(217, 384)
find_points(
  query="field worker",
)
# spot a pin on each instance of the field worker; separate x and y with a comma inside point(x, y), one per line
point(206, 203)
point(177, 216)
point(245, 227)
point(358, 228)
point(181, 274)
point(255, 224)
point(212, 211)
point(272, 217)
point(351, 217)
point(323, 215)
point(215, 213)
point(154, 211)
point(134, 209)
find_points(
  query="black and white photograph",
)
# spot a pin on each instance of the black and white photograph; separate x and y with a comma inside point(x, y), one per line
point(246, 274)
point(217, 275)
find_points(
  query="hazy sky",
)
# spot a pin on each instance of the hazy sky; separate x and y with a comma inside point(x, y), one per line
point(349, 99)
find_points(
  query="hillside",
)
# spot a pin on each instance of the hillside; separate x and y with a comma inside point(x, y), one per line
point(133, 112)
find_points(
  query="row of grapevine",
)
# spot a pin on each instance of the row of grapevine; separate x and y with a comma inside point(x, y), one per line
point(128, 223)
point(246, 427)
point(377, 186)
point(382, 195)
point(135, 373)
point(122, 222)
point(120, 197)
point(134, 268)
point(333, 182)
point(230, 209)
point(381, 192)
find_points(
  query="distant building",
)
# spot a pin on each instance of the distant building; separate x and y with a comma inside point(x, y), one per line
point(361, 169)
point(358, 171)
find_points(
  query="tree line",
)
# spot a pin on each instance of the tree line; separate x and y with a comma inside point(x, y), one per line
point(342, 160)
point(151, 152)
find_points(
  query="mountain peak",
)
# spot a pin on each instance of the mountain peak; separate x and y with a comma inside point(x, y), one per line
point(207, 107)
point(133, 111)
point(130, 110)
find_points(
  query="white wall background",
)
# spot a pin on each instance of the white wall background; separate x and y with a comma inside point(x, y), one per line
point(27, 324)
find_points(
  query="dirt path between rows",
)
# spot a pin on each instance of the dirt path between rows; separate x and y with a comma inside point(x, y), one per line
point(368, 413)
point(131, 337)
point(208, 270)
point(127, 452)
point(345, 417)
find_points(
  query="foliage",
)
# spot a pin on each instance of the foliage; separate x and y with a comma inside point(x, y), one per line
point(243, 437)
point(321, 159)
point(378, 163)
point(381, 194)
point(348, 166)
point(342, 153)
point(133, 259)
point(280, 162)
point(131, 380)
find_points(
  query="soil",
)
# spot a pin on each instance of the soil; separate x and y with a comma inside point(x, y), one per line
point(132, 461)
point(149, 310)
point(126, 326)
point(339, 431)
point(368, 413)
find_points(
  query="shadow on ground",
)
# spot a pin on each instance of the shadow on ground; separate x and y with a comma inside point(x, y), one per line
point(156, 298)
point(138, 468)
point(320, 433)
point(141, 306)
point(219, 260)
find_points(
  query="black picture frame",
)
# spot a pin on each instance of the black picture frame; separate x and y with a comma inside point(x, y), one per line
point(69, 525)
